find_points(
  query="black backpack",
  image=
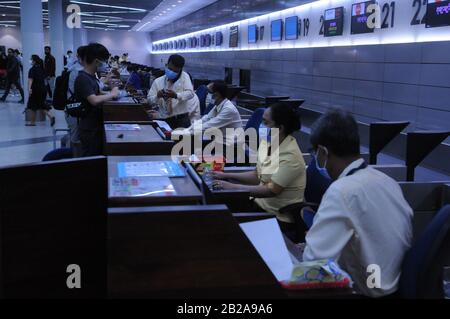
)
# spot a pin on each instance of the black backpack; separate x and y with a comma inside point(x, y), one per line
point(60, 93)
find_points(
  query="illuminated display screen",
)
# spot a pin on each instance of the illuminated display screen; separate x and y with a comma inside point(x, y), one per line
point(207, 40)
point(334, 22)
point(252, 33)
point(219, 39)
point(291, 28)
point(277, 30)
point(360, 15)
point(438, 13)
point(234, 37)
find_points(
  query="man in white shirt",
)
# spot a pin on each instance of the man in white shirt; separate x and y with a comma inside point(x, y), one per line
point(172, 93)
point(363, 219)
point(223, 115)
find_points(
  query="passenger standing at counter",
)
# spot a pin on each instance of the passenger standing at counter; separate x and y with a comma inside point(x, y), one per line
point(363, 218)
point(280, 176)
point(172, 92)
point(87, 91)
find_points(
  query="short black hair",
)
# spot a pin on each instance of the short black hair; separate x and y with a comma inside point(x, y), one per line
point(70, 51)
point(220, 87)
point(337, 130)
point(47, 47)
point(177, 60)
point(286, 116)
point(81, 52)
point(96, 51)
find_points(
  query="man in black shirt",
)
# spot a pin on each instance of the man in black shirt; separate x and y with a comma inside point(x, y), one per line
point(13, 76)
point(87, 91)
point(50, 70)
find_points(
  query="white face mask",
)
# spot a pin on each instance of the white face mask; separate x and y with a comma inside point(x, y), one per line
point(209, 99)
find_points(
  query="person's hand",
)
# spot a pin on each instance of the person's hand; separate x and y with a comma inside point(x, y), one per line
point(223, 185)
point(161, 94)
point(219, 175)
point(115, 92)
point(153, 114)
point(171, 94)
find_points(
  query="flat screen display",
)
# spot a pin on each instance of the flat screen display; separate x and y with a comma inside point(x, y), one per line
point(277, 30)
point(291, 28)
point(219, 39)
point(208, 40)
point(252, 33)
point(334, 22)
point(360, 15)
point(438, 13)
point(234, 37)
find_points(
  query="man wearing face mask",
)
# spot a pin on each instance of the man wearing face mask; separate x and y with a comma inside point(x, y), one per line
point(363, 218)
point(172, 92)
point(87, 91)
point(224, 114)
point(280, 176)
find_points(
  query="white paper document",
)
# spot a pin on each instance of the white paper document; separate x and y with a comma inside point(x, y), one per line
point(267, 239)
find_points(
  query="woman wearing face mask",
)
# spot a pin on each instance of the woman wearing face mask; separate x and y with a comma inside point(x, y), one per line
point(37, 91)
point(280, 176)
point(87, 91)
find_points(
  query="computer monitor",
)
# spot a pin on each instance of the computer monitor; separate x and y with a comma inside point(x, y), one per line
point(360, 16)
point(277, 30)
point(291, 28)
point(219, 39)
point(438, 13)
point(252, 33)
point(234, 37)
point(208, 40)
point(334, 22)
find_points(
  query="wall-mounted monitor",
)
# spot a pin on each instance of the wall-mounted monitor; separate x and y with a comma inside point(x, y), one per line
point(208, 40)
point(261, 33)
point(219, 39)
point(333, 22)
point(234, 36)
point(166, 46)
point(252, 33)
point(183, 44)
point(360, 16)
point(291, 28)
point(277, 30)
point(175, 45)
point(438, 13)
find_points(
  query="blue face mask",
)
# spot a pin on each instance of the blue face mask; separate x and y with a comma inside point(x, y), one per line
point(264, 132)
point(171, 75)
point(322, 170)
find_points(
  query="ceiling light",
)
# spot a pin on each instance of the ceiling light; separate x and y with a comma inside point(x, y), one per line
point(107, 6)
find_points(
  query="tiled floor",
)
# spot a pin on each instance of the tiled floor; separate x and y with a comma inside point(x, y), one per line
point(20, 144)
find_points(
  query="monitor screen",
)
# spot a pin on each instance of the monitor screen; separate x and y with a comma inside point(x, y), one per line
point(334, 22)
point(360, 15)
point(207, 40)
point(438, 13)
point(234, 37)
point(252, 33)
point(291, 28)
point(277, 30)
point(219, 39)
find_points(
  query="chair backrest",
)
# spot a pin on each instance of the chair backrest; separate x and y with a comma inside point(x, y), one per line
point(58, 154)
point(209, 108)
point(256, 119)
point(202, 92)
point(316, 185)
point(422, 266)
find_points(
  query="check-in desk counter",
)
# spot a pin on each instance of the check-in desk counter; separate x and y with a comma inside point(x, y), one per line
point(144, 139)
point(183, 189)
point(124, 110)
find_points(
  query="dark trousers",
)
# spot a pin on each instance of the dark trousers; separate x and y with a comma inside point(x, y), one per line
point(9, 83)
point(91, 142)
point(179, 121)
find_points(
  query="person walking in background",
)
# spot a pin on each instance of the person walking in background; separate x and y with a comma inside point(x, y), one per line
point(50, 70)
point(37, 91)
point(13, 76)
